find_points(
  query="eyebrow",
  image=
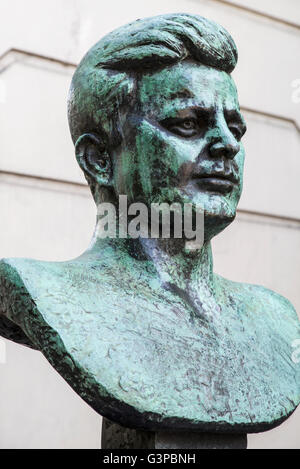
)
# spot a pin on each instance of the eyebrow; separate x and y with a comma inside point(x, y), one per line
point(182, 93)
point(233, 114)
point(198, 109)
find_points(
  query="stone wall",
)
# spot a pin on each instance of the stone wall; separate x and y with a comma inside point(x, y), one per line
point(47, 212)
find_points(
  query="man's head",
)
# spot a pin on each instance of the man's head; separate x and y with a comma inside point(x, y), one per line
point(154, 115)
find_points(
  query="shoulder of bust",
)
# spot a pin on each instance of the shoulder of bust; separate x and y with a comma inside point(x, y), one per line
point(270, 299)
point(259, 298)
point(16, 304)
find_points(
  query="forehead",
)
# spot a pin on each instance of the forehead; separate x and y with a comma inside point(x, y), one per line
point(188, 84)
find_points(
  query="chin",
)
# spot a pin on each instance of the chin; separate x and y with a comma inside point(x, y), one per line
point(215, 223)
point(219, 212)
point(219, 209)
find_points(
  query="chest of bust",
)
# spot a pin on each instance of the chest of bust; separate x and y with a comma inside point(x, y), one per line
point(156, 353)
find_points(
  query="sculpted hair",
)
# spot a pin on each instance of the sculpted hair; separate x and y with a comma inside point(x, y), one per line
point(104, 83)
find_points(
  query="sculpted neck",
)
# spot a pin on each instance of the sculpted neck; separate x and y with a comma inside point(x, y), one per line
point(179, 266)
point(175, 265)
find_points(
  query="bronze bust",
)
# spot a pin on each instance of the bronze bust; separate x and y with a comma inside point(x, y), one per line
point(142, 328)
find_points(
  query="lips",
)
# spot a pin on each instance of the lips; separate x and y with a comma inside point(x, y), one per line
point(216, 182)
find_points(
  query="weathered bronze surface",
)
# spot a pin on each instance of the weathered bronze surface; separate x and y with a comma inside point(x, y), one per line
point(143, 329)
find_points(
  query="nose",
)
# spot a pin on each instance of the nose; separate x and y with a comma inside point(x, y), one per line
point(223, 143)
point(221, 149)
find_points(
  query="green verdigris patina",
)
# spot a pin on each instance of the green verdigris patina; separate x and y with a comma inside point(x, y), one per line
point(143, 329)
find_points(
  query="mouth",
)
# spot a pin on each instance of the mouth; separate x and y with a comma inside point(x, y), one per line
point(222, 183)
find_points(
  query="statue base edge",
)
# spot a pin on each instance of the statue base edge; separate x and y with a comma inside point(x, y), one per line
point(115, 436)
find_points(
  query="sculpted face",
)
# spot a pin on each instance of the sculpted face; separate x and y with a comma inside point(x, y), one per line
point(182, 141)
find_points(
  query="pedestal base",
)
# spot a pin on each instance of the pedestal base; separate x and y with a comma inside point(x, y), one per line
point(115, 436)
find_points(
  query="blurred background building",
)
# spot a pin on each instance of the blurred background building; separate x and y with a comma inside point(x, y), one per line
point(46, 210)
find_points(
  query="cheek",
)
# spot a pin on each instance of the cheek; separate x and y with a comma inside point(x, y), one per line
point(240, 159)
point(160, 155)
point(124, 171)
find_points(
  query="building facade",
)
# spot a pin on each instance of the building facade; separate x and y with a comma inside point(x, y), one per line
point(46, 209)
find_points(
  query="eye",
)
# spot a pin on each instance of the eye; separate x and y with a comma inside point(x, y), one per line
point(187, 127)
point(236, 132)
point(189, 124)
point(102, 163)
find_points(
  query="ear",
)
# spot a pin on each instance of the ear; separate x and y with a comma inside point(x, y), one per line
point(94, 159)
